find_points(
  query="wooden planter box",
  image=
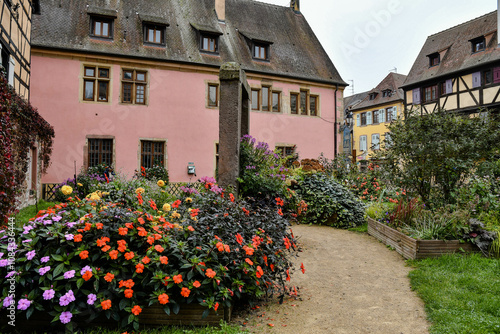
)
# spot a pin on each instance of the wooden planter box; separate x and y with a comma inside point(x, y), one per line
point(189, 314)
point(412, 248)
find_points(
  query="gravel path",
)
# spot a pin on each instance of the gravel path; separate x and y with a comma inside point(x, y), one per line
point(352, 284)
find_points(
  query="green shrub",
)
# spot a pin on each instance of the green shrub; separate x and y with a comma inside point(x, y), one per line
point(155, 173)
point(329, 202)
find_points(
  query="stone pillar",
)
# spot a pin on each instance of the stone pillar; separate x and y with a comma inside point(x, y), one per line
point(234, 121)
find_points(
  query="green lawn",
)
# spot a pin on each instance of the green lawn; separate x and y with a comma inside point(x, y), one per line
point(30, 211)
point(223, 329)
point(461, 293)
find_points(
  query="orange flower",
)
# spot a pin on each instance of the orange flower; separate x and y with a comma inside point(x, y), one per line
point(121, 242)
point(139, 268)
point(163, 298)
point(247, 260)
point(164, 259)
point(142, 232)
point(176, 204)
point(87, 227)
point(279, 201)
point(239, 238)
point(84, 254)
point(140, 220)
point(122, 249)
point(129, 226)
point(106, 304)
point(99, 226)
point(185, 292)
point(210, 273)
point(231, 197)
point(280, 212)
point(146, 260)
point(113, 255)
point(190, 228)
point(101, 242)
point(150, 240)
point(227, 249)
point(159, 248)
point(129, 293)
point(87, 275)
point(106, 248)
point(109, 277)
point(302, 268)
point(265, 259)
point(77, 238)
point(122, 230)
point(248, 250)
point(196, 284)
point(128, 283)
point(177, 279)
point(157, 236)
point(129, 255)
point(136, 310)
point(220, 246)
point(259, 272)
point(216, 306)
point(247, 213)
point(287, 242)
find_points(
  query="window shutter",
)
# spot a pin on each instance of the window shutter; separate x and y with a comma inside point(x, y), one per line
point(449, 86)
point(362, 143)
point(375, 141)
point(496, 75)
point(358, 120)
point(381, 116)
point(476, 79)
point(12, 69)
point(369, 118)
point(416, 96)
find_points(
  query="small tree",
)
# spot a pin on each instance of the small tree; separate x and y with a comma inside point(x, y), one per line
point(431, 155)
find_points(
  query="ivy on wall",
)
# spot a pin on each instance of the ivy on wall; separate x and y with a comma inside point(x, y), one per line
point(21, 128)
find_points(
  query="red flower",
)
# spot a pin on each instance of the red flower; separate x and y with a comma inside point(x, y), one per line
point(122, 230)
point(84, 254)
point(136, 310)
point(77, 238)
point(164, 259)
point(106, 304)
point(141, 220)
point(227, 249)
point(129, 293)
point(146, 260)
point(159, 248)
point(113, 255)
point(247, 260)
point(210, 273)
point(150, 240)
point(216, 306)
point(129, 226)
point(163, 298)
point(177, 279)
point(248, 250)
point(302, 268)
point(109, 277)
point(99, 226)
point(142, 232)
point(196, 284)
point(220, 246)
point(185, 292)
point(280, 212)
point(190, 228)
point(106, 248)
point(139, 268)
point(279, 201)
point(246, 211)
point(231, 196)
point(129, 255)
point(259, 272)
point(87, 275)
point(287, 242)
point(239, 238)
point(176, 204)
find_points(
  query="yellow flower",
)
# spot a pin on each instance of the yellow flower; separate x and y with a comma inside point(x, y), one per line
point(139, 191)
point(79, 184)
point(175, 214)
point(94, 197)
point(66, 190)
point(166, 207)
point(188, 200)
point(161, 183)
point(105, 193)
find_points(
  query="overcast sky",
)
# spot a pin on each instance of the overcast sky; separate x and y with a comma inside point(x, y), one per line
point(366, 39)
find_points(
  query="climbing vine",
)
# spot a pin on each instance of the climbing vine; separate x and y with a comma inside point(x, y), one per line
point(21, 128)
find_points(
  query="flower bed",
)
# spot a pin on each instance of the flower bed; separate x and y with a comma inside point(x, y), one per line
point(411, 248)
point(93, 257)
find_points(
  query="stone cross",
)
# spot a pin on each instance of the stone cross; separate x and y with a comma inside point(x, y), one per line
point(234, 122)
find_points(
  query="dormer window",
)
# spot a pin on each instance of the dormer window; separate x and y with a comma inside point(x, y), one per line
point(387, 93)
point(154, 34)
point(209, 43)
point(261, 51)
point(434, 59)
point(101, 27)
point(478, 44)
point(372, 96)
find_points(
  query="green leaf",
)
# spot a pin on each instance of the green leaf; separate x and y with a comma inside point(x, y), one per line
point(122, 305)
point(58, 270)
point(79, 283)
point(131, 318)
point(57, 257)
point(176, 308)
point(29, 312)
point(205, 314)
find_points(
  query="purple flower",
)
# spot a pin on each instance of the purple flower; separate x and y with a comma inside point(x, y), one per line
point(42, 271)
point(48, 294)
point(85, 269)
point(67, 298)
point(47, 222)
point(65, 317)
point(56, 218)
point(4, 263)
point(30, 255)
point(10, 274)
point(71, 224)
point(45, 259)
point(69, 236)
point(69, 274)
point(27, 240)
point(1, 255)
point(23, 304)
point(91, 299)
point(11, 247)
point(9, 300)
point(27, 229)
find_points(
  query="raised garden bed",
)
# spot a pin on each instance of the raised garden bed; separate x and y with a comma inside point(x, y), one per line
point(412, 248)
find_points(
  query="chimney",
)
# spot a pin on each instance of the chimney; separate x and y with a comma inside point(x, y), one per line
point(295, 5)
point(220, 9)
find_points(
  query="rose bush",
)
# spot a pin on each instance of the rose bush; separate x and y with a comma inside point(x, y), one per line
point(89, 257)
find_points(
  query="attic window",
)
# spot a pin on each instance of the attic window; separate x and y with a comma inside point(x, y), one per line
point(209, 42)
point(434, 59)
point(478, 44)
point(372, 96)
point(154, 34)
point(260, 51)
point(101, 27)
point(387, 93)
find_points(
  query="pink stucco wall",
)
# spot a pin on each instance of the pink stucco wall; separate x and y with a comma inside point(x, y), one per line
point(175, 112)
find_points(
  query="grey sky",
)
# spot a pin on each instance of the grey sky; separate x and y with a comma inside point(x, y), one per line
point(366, 39)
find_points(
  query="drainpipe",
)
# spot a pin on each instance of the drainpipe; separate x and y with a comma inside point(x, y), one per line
point(335, 124)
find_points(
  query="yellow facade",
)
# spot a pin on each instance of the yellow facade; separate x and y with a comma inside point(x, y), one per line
point(366, 133)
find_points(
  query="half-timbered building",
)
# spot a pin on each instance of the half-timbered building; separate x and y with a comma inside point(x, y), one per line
point(457, 69)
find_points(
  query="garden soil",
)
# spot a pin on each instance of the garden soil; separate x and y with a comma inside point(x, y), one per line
point(352, 284)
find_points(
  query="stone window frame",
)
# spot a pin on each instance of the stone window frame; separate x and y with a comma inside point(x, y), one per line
point(135, 83)
point(86, 149)
point(299, 94)
point(208, 84)
point(96, 79)
point(154, 139)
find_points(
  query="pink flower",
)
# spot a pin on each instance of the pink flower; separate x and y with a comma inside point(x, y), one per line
point(23, 304)
point(65, 317)
point(48, 294)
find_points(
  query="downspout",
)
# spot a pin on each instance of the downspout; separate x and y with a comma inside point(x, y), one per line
point(335, 124)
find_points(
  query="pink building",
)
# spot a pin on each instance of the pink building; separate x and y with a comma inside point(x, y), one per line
point(135, 82)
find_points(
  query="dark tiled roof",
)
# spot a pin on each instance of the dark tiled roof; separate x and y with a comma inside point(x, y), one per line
point(391, 82)
point(456, 51)
point(295, 52)
point(351, 101)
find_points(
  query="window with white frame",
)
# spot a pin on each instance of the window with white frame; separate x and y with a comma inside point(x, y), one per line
point(375, 141)
point(362, 143)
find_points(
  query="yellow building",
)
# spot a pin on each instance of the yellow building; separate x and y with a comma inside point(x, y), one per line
point(372, 115)
point(458, 69)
